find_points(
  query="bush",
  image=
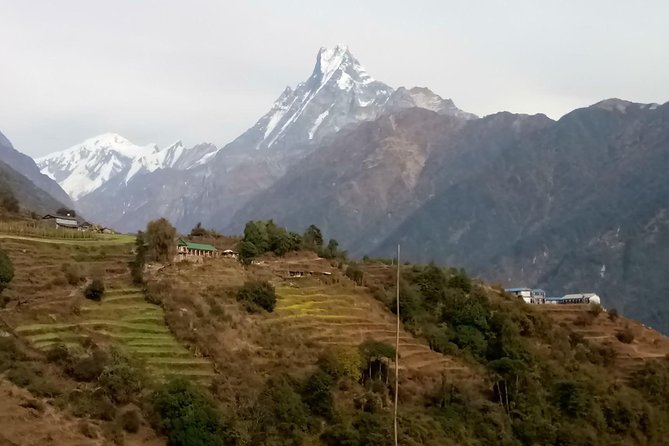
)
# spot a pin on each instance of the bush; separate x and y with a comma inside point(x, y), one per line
point(130, 420)
point(342, 362)
point(626, 335)
point(6, 270)
point(317, 394)
point(95, 290)
point(88, 368)
point(258, 293)
point(281, 411)
point(58, 354)
point(188, 417)
point(73, 273)
point(121, 381)
point(613, 314)
point(93, 404)
point(354, 273)
point(594, 309)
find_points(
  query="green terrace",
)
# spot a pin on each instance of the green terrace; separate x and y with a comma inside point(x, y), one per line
point(126, 319)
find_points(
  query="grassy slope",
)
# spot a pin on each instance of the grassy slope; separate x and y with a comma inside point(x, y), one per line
point(312, 314)
point(45, 310)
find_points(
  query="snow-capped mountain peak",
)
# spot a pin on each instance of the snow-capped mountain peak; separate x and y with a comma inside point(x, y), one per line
point(338, 92)
point(86, 166)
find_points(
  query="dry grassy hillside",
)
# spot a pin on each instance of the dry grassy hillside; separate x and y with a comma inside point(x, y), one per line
point(313, 312)
point(598, 327)
point(604, 329)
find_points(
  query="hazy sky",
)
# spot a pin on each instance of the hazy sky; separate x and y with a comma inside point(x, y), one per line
point(159, 71)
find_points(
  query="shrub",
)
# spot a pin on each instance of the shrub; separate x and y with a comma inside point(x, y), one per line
point(121, 380)
point(259, 293)
point(58, 354)
point(626, 335)
point(613, 314)
point(584, 319)
point(10, 203)
point(95, 290)
point(94, 404)
point(31, 376)
point(6, 270)
point(73, 273)
point(594, 309)
point(137, 264)
point(342, 362)
point(317, 394)
point(188, 417)
point(130, 420)
point(87, 429)
point(354, 273)
point(88, 368)
point(281, 410)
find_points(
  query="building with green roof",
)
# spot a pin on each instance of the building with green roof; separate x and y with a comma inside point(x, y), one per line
point(190, 249)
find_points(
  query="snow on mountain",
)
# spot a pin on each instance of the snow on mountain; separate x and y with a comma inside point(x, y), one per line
point(339, 92)
point(85, 167)
point(421, 97)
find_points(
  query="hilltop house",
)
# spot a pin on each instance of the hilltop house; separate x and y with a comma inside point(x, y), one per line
point(186, 249)
point(529, 295)
point(59, 221)
point(582, 298)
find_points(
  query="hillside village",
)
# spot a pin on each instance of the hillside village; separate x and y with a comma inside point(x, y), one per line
point(253, 322)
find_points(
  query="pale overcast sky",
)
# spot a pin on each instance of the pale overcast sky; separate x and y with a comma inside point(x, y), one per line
point(159, 71)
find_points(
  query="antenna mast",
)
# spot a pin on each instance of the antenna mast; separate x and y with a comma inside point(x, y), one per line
point(397, 342)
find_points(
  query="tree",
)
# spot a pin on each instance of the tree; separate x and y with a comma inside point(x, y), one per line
point(256, 232)
point(121, 381)
point(247, 251)
point(460, 280)
point(432, 281)
point(317, 394)
point(65, 212)
point(95, 290)
point(198, 231)
point(342, 361)
point(313, 238)
point(354, 273)
point(10, 203)
point(189, 418)
point(332, 251)
point(137, 264)
point(258, 293)
point(6, 270)
point(160, 238)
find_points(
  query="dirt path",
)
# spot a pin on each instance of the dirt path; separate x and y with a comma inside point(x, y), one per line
point(97, 242)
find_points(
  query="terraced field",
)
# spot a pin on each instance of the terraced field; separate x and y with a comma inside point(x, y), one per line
point(342, 315)
point(647, 343)
point(46, 310)
point(127, 320)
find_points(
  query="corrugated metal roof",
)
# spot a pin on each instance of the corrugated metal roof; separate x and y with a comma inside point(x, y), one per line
point(67, 222)
point(578, 296)
point(200, 246)
point(515, 290)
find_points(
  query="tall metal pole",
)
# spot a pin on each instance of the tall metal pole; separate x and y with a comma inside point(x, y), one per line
point(397, 342)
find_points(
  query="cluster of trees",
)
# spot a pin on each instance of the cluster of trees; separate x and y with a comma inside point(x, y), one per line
point(289, 410)
point(201, 231)
point(261, 236)
point(548, 385)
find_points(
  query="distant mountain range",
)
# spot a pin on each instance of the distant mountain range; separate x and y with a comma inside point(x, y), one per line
point(20, 176)
point(578, 204)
